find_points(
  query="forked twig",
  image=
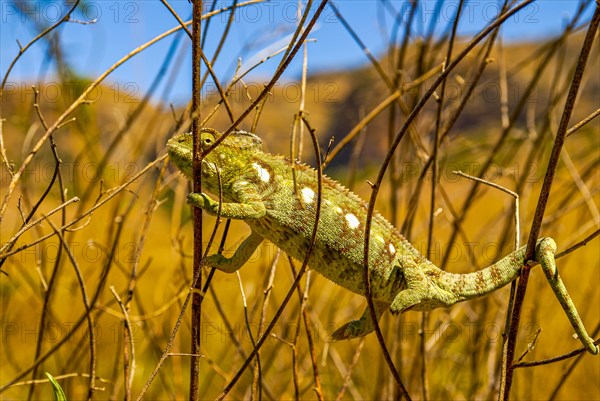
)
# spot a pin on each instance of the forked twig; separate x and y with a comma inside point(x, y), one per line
point(128, 334)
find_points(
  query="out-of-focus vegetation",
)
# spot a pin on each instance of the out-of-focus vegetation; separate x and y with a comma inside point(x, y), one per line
point(139, 242)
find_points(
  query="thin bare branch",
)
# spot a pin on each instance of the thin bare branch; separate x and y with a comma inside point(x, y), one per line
point(544, 194)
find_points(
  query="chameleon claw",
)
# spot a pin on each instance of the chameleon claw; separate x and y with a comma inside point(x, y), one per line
point(348, 331)
point(360, 327)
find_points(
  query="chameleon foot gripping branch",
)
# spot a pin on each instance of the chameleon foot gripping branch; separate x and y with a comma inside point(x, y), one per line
point(545, 255)
point(276, 197)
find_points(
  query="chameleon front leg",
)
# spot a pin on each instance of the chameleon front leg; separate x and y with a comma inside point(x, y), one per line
point(361, 327)
point(249, 209)
point(239, 258)
point(545, 255)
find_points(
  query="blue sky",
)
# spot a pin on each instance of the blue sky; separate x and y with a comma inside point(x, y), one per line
point(259, 30)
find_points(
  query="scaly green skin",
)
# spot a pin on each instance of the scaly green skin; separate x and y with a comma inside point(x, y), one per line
point(277, 199)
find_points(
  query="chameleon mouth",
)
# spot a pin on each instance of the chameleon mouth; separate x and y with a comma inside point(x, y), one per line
point(180, 153)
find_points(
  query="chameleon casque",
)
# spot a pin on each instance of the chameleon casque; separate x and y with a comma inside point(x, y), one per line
point(277, 198)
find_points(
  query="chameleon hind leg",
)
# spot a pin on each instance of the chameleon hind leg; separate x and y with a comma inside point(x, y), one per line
point(421, 292)
point(360, 327)
point(545, 255)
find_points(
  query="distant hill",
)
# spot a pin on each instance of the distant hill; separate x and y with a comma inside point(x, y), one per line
point(337, 100)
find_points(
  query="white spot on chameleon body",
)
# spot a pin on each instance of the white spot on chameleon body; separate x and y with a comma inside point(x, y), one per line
point(263, 174)
point(352, 220)
point(338, 209)
point(380, 239)
point(392, 249)
point(308, 195)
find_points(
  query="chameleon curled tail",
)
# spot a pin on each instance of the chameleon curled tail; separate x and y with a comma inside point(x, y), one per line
point(472, 285)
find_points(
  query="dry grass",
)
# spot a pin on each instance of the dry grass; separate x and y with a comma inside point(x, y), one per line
point(129, 231)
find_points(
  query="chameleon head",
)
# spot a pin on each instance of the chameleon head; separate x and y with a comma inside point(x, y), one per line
point(227, 156)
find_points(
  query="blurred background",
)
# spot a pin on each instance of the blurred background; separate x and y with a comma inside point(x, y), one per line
point(364, 67)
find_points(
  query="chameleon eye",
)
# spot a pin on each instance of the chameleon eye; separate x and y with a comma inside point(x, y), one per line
point(207, 141)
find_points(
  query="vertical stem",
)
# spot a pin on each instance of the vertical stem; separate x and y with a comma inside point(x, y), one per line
point(544, 194)
point(434, 183)
point(197, 163)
